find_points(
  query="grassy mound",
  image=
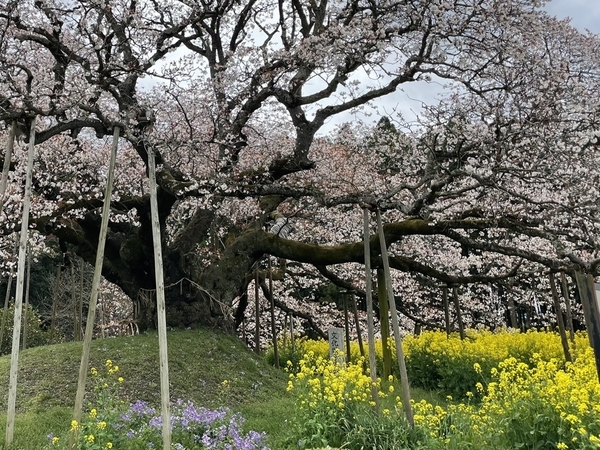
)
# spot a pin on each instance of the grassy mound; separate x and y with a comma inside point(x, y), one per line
point(207, 367)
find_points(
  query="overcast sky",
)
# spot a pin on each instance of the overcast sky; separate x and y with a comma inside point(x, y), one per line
point(584, 14)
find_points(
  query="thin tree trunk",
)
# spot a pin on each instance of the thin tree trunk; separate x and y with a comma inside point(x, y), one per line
point(91, 318)
point(399, 351)
point(559, 318)
point(6, 166)
point(370, 318)
point(160, 306)
point(585, 285)
point(461, 325)
point(14, 360)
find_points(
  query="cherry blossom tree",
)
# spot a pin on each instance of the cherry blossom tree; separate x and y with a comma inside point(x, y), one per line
point(495, 184)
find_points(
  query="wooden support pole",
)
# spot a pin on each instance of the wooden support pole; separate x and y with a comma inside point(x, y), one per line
point(357, 324)
point(446, 310)
point(26, 308)
point(461, 325)
point(347, 329)
point(256, 314)
point(399, 351)
point(273, 325)
point(512, 311)
point(370, 318)
point(6, 166)
point(73, 300)
point(559, 319)
point(14, 359)
point(7, 298)
point(384, 324)
point(160, 305)
point(580, 282)
point(55, 303)
point(569, 312)
point(80, 302)
point(91, 317)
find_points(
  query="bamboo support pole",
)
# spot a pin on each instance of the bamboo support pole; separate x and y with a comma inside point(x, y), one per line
point(7, 299)
point(160, 306)
point(14, 359)
point(91, 317)
point(26, 308)
point(370, 316)
point(399, 351)
point(6, 166)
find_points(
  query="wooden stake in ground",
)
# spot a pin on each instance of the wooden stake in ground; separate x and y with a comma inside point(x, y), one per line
point(399, 351)
point(160, 306)
point(273, 326)
point(370, 318)
point(585, 286)
point(89, 329)
point(6, 166)
point(559, 319)
point(14, 359)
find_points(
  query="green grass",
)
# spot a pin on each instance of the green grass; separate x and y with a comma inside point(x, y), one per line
point(199, 361)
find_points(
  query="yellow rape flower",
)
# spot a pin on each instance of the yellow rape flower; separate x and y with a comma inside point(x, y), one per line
point(101, 425)
point(93, 413)
point(74, 425)
point(109, 445)
point(55, 440)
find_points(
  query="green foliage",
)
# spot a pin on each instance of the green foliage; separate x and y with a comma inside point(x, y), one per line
point(36, 336)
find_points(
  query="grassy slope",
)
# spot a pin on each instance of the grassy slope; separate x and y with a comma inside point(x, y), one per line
point(199, 361)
